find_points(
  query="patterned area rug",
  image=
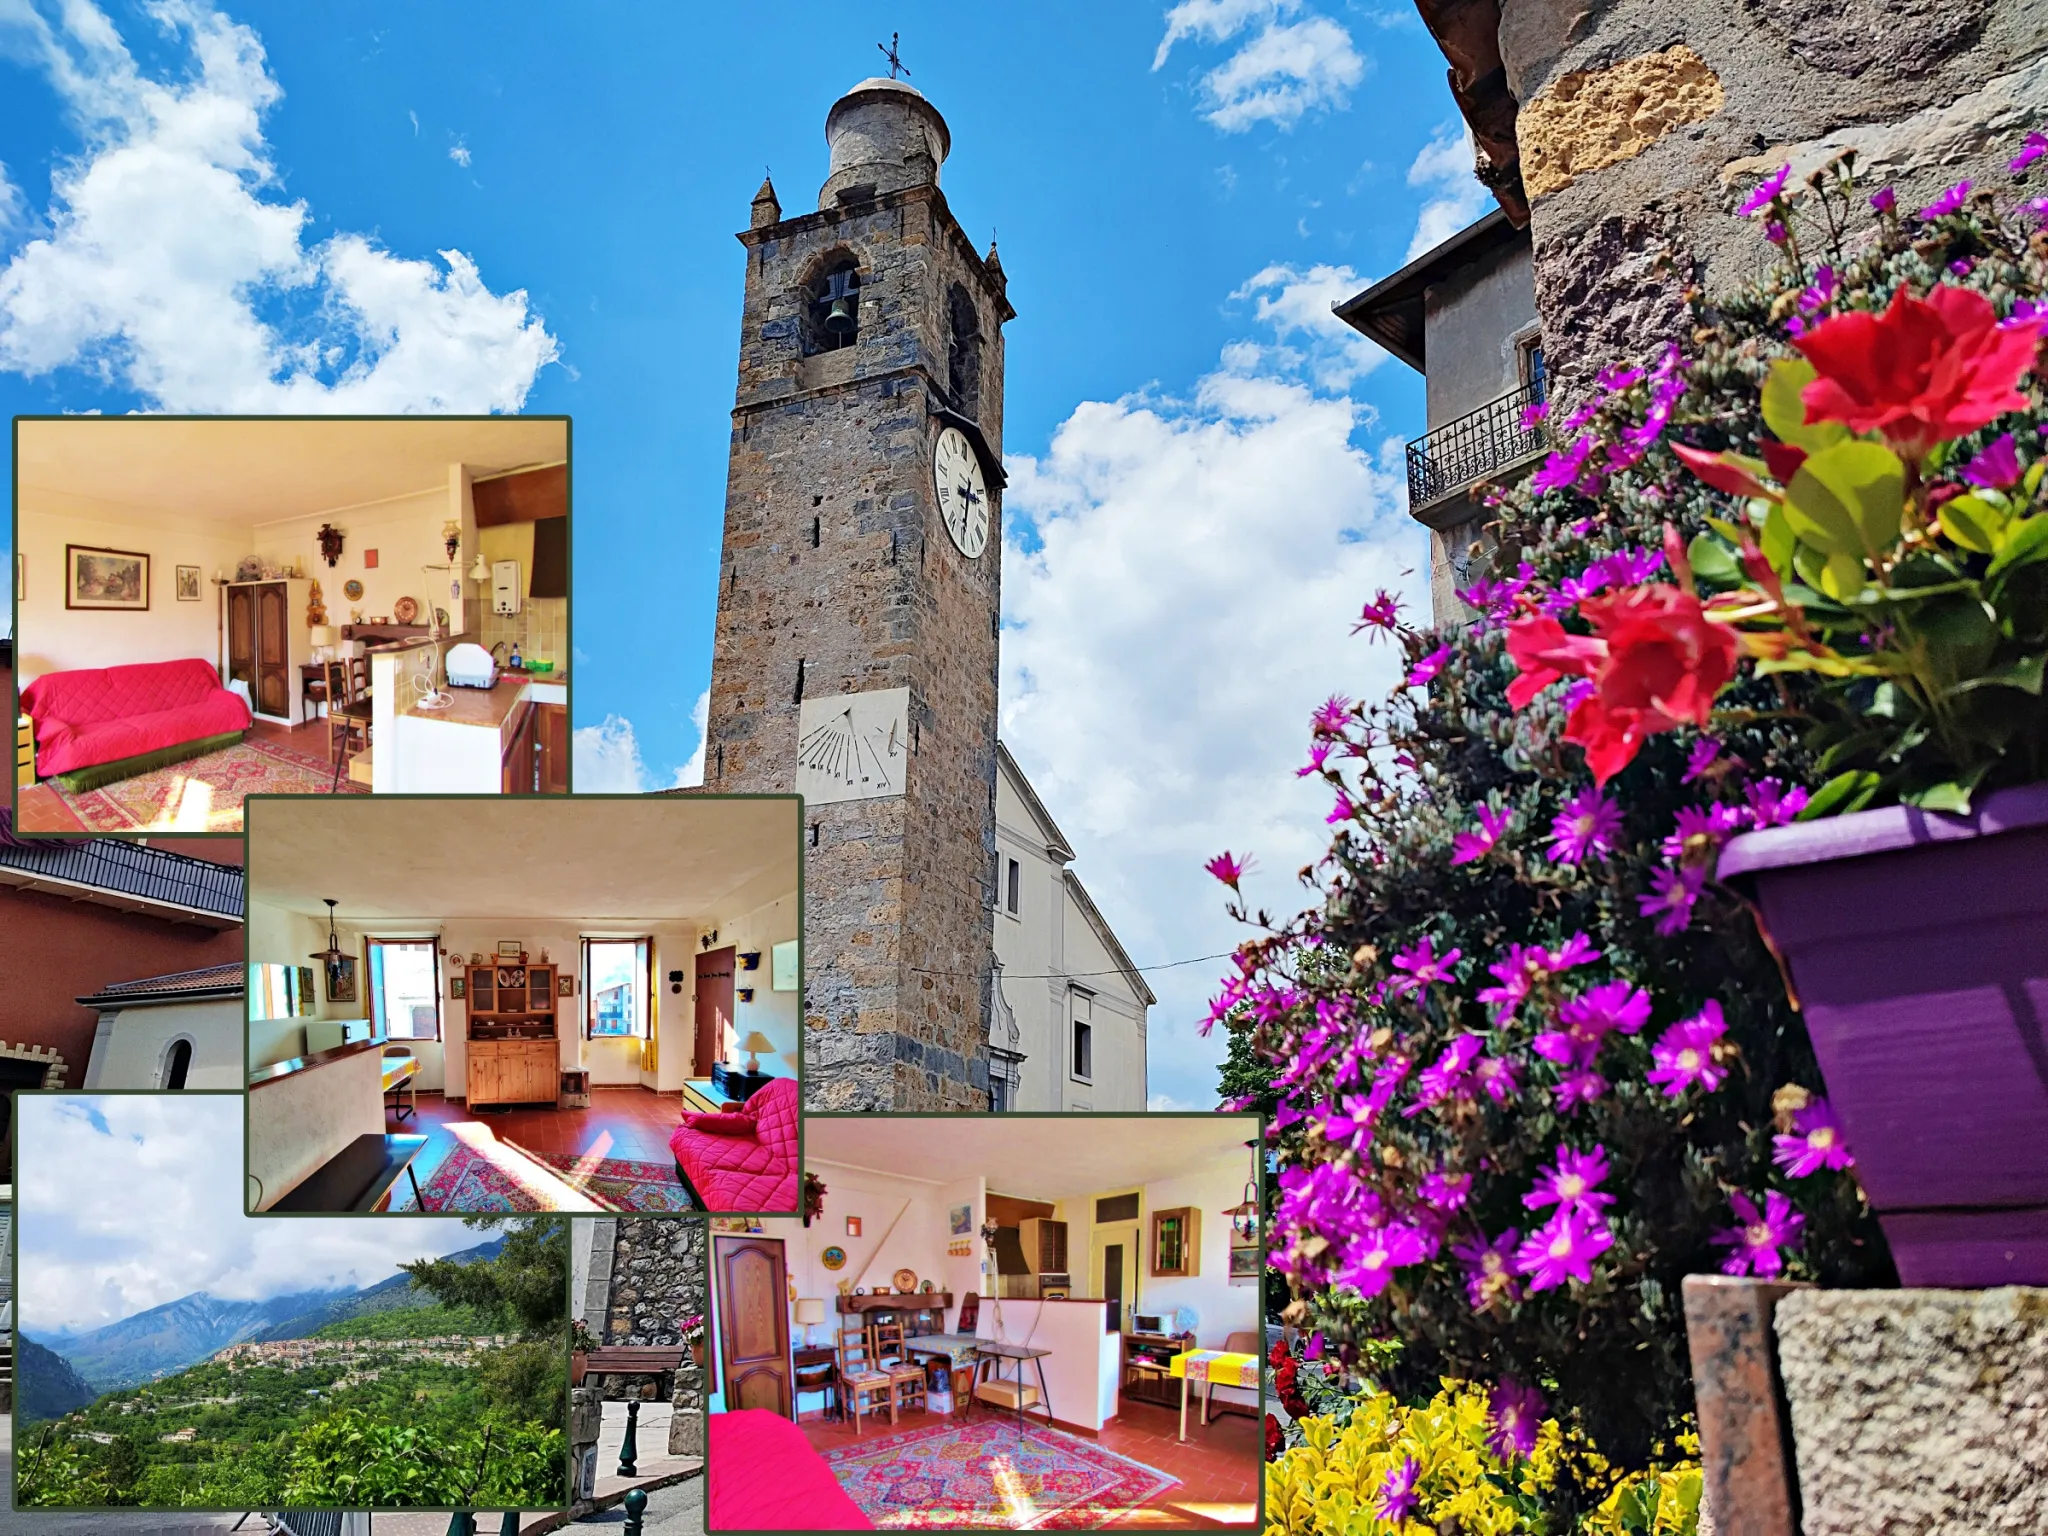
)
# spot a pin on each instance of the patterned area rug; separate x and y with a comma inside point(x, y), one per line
point(482, 1173)
point(984, 1474)
point(206, 793)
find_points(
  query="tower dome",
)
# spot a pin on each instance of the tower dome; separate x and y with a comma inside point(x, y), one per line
point(884, 137)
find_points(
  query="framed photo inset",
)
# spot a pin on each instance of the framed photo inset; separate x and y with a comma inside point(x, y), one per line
point(115, 579)
point(188, 583)
point(341, 980)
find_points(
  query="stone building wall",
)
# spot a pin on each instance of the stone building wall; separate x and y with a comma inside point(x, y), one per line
point(658, 1275)
point(1642, 124)
point(837, 578)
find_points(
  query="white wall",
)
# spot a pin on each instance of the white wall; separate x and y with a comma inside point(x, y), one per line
point(406, 533)
point(1222, 1308)
point(131, 1045)
point(276, 936)
point(777, 1015)
point(1080, 1373)
point(299, 1122)
point(53, 638)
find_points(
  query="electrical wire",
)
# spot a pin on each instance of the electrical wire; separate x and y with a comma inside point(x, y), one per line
point(1164, 965)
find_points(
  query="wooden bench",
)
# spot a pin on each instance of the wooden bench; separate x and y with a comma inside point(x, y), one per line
point(657, 1360)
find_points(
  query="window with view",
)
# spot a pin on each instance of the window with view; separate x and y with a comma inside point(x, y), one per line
point(405, 988)
point(615, 983)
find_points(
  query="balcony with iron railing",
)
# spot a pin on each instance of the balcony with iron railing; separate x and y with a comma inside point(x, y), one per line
point(1448, 460)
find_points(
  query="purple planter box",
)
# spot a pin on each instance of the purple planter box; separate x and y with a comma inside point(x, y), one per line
point(1918, 948)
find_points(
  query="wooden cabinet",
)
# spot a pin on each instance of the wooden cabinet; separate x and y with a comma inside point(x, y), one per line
point(1044, 1243)
point(269, 645)
point(1177, 1242)
point(514, 1057)
point(554, 748)
point(514, 1072)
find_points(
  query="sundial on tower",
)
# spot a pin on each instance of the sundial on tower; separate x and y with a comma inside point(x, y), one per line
point(853, 746)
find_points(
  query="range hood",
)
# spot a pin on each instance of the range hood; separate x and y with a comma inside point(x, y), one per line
point(1010, 1253)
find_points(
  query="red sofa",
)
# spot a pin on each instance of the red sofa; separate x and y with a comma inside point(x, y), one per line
point(104, 714)
point(745, 1159)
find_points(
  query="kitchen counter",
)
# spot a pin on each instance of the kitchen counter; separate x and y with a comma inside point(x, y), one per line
point(489, 707)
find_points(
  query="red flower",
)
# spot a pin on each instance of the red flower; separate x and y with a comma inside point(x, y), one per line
point(1665, 662)
point(1922, 372)
point(1272, 1438)
point(1544, 652)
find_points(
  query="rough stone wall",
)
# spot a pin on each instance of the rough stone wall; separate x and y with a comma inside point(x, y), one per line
point(659, 1275)
point(836, 562)
point(1920, 1412)
point(1644, 123)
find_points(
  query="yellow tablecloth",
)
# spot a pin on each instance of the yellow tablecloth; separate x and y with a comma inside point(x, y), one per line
point(1218, 1367)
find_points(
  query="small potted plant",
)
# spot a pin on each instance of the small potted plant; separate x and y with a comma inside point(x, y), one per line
point(580, 1346)
point(693, 1334)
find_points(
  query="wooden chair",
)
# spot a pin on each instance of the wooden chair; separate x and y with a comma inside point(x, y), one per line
point(860, 1381)
point(906, 1376)
point(348, 713)
point(1246, 1342)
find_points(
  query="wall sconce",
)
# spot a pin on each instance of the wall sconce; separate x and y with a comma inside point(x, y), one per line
point(481, 571)
point(708, 939)
point(675, 981)
point(751, 960)
point(330, 543)
point(451, 536)
point(744, 994)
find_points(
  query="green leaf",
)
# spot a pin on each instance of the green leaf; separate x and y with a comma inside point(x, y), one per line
point(1778, 538)
point(2026, 674)
point(1810, 563)
point(2032, 482)
point(1843, 793)
point(1785, 412)
point(1947, 796)
point(1857, 491)
point(2025, 542)
point(1842, 579)
point(1713, 562)
point(1973, 522)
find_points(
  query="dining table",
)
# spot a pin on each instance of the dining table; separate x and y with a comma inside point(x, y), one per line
point(1212, 1368)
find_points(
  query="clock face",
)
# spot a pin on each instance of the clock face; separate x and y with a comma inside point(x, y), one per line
point(963, 494)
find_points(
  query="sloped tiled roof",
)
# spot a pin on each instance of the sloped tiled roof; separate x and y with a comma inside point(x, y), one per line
point(117, 868)
point(180, 986)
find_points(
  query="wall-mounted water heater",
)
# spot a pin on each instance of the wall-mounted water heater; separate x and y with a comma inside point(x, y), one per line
point(504, 586)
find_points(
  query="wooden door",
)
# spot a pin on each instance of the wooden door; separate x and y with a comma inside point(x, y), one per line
point(714, 1006)
point(1113, 1284)
point(273, 650)
point(753, 1323)
point(554, 749)
point(242, 636)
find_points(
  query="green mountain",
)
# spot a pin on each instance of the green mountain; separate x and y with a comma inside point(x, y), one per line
point(45, 1386)
point(395, 1294)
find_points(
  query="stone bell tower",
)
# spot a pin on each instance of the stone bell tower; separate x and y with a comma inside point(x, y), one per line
point(858, 600)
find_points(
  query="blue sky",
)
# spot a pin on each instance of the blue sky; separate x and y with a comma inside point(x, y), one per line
point(246, 209)
point(177, 1226)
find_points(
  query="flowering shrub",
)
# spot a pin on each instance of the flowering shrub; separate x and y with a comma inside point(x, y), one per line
point(1530, 1064)
point(1385, 1468)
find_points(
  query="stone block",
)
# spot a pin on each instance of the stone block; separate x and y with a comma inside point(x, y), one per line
point(1591, 119)
point(1745, 1448)
point(1919, 1412)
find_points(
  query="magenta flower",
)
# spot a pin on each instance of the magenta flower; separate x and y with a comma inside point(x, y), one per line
point(1519, 968)
point(1517, 1415)
point(1533, 414)
point(1670, 900)
point(1227, 868)
point(1343, 810)
point(1630, 567)
point(1771, 804)
point(1586, 824)
point(1754, 1245)
point(1425, 670)
point(1378, 1253)
point(1698, 829)
point(1610, 1006)
point(1330, 715)
point(1314, 1351)
point(1816, 1142)
point(1581, 1085)
point(1467, 847)
point(1383, 613)
point(2034, 148)
point(1884, 199)
point(1997, 467)
point(1489, 1268)
point(1564, 1248)
point(1767, 192)
point(1446, 1191)
point(1684, 1053)
point(1398, 1499)
point(1495, 1077)
point(1776, 232)
point(1563, 467)
point(1318, 756)
point(1447, 1077)
point(1818, 294)
point(1704, 754)
point(1570, 1184)
point(1576, 950)
point(1951, 201)
point(1352, 1128)
point(1423, 964)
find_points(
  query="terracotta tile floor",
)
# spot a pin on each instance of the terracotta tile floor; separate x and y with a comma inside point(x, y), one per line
point(632, 1123)
point(39, 808)
point(1220, 1467)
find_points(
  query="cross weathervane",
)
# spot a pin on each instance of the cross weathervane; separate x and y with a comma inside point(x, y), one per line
point(895, 59)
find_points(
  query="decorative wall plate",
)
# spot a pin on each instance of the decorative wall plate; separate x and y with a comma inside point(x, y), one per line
point(927, 1288)
point(352, 590)
point(406, 610)
point(833, 1258)
point(905, 1281)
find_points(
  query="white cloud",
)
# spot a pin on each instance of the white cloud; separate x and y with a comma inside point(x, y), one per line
point(691, 774)
point(13, 206)
point(1295, 302)
point(459, 153)
point(162, 1215)
point(1285, 70)
point(606, 758)
point(174, 265)
point(1455, 196)
point(415, 122)
point(1177, 606)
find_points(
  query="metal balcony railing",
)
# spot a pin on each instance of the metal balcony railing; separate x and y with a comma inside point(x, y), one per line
point(1446, 461)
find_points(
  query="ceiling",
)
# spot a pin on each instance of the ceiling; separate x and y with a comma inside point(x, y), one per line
point(242, 472)
point(679, 858)
point(1049, 1157)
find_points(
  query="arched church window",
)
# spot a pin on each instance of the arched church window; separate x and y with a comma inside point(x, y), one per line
point(963, 356)
point(177, 1063)
point(832, 313)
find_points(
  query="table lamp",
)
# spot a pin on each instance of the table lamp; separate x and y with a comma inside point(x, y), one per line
point(810, 1310)
point(321, 637)
point(753, 1045)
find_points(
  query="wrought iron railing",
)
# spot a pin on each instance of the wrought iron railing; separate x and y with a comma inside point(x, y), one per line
point(1443, 462)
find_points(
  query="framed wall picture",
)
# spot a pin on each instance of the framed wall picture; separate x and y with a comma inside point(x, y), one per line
point(565, 984)
point(1244, 1262)
point(960, 1220)
point(188, 583)
point(458, 987)
point(341, 980)
point(853, 1226)
point(784, 972)
point(511, 949)
point(115, 579)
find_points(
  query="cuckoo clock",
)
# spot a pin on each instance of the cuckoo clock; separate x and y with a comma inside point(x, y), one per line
point(330, 543)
